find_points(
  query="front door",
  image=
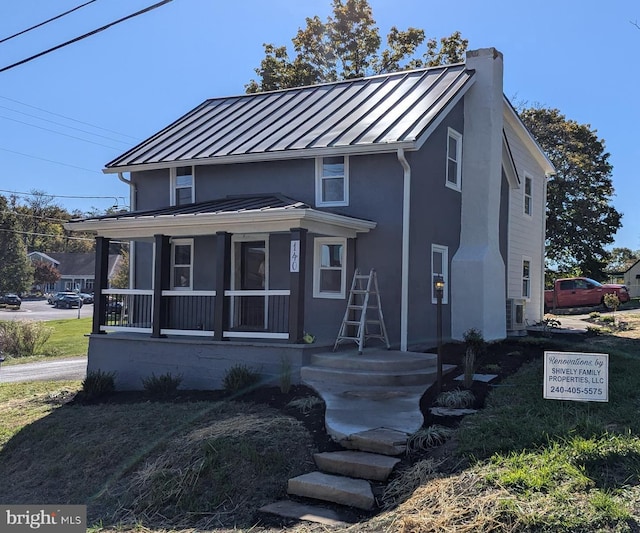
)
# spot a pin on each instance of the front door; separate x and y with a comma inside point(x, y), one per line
point(250, 275)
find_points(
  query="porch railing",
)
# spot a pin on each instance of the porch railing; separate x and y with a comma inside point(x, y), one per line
point(261, 314)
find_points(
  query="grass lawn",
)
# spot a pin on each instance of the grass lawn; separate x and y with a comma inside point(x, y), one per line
point(521, 464)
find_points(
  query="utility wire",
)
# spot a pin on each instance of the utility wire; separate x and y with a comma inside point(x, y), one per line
point(60, 124)
point(47, 235)
point(81, 37)
point(49, 160)
point(46, 22)
point(61, 195)
point(68, 118)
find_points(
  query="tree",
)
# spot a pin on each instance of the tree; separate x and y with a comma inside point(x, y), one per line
point(581, 221)
point(620, 259)
point(347, 46)
point(44, 273)
point(16, 272)
point(121, 278)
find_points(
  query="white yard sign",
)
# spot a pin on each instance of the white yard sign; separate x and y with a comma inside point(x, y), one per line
point(576, 376)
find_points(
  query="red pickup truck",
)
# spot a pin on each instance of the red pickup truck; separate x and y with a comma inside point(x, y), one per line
point(581, 292)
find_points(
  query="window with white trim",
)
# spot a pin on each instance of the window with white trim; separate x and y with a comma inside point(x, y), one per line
point(454, 159)
point(440, 267)
point(332, 181)
point(182, 189)
point(182, 264)
point(526, 278)
point(329, 267)
point(528, 198)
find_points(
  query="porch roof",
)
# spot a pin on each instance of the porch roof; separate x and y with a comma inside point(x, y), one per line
point(271, 213)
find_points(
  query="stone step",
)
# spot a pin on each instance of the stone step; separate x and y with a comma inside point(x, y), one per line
point(310, 513)
point(376, 361)
point(382, 441)
point(331, 488)
point(356, 464)
point(369, 377)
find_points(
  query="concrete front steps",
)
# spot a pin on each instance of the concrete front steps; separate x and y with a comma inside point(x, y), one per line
point(344, 478)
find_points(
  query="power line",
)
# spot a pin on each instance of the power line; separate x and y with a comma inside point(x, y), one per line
point(62, 195)
point(61, 124)
point(81, 37)
point(49, 160)
point(46, 22)
point(67, 118)
point(47, 235)
point(58, 132)
point(48, 219)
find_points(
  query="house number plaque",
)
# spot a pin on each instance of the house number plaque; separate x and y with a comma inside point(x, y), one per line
point(294, 257)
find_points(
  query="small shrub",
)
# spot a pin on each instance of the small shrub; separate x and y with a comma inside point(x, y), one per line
point(285, 375)
point(456, 399)
point(163, 386)
point(594, 315)
point(430, 437)
point(306, 405)
point(608, 319)
point(22, 338)
point(239, 378)
point(98, 384)
point(611, 301)
point(475, 346)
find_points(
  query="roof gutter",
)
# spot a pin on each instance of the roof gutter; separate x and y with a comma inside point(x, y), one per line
point(133, 191)
point(404, 290)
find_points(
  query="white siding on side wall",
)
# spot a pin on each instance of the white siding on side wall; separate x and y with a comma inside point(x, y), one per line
point(526, 232)
point(632, 280)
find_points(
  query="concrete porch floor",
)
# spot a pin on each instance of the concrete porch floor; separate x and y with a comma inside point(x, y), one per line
point(380, 389)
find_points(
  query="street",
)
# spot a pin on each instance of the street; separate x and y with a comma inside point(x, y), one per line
point(59, 370)
point(41, 310)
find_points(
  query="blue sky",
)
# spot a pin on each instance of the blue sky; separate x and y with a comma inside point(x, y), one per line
point(126, 83)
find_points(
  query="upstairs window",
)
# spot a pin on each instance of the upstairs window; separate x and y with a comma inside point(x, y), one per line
point(528, 199)
point(182, 264)
point(454, 159)
point(332, 181)
point(182, 190)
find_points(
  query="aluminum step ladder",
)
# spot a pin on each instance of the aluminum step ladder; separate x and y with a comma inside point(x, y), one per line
point(357, 326)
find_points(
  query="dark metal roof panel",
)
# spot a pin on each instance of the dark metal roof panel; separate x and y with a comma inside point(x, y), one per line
point(383, 109)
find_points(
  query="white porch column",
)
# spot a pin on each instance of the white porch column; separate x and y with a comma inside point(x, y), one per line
point(477, 269)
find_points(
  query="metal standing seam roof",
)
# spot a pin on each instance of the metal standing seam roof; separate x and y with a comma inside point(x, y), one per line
point(231, 204)
point(364, 112)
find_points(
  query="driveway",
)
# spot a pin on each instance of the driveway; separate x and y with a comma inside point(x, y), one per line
point(41, 310)
point(59, 370)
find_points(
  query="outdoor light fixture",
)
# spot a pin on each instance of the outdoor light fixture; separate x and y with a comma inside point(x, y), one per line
point(438, 285)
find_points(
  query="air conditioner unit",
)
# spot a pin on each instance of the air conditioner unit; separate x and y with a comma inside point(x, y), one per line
point(515, 315)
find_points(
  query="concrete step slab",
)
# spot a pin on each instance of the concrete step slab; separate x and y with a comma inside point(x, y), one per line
point(381, 440)
point(397, 378)
point(363, 465)
point(375, 361)
point(310, 513)
point(331, 488)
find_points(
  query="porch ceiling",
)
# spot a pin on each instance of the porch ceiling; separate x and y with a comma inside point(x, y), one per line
point(254, 214)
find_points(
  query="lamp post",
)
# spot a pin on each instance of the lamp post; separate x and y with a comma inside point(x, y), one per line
point(438, 286)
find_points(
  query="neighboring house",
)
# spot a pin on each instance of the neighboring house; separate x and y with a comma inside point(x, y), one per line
point(632, 279)
point(250, 214)
point(77, 270)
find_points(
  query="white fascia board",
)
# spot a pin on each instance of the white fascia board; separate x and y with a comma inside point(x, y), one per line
point(208, 224)
point(380, 148)
point(511, 116)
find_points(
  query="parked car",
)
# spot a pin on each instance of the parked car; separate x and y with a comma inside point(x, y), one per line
point(67, 300)
point(10, 300)
point(86, 298)
point(582, 292)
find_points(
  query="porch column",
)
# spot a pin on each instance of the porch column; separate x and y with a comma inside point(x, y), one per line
point(101, 282)
point(297, 268)
point(161, 281)
point(223, 281)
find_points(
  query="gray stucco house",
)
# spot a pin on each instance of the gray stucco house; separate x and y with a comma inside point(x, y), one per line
point(250, 214)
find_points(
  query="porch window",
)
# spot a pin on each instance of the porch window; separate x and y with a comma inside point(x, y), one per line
point(526, 278)
point(182, 190)
point(440, 267)
point(329, 267)
point(454, 159)
point(528, 198)
point(332, 181)
point(182, 264)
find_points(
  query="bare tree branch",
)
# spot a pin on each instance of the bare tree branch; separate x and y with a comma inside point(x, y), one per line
point(635, 24)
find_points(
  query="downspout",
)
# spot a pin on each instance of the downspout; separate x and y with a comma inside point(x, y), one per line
point(133, 193)
point(404, 291)
point(544, 243)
